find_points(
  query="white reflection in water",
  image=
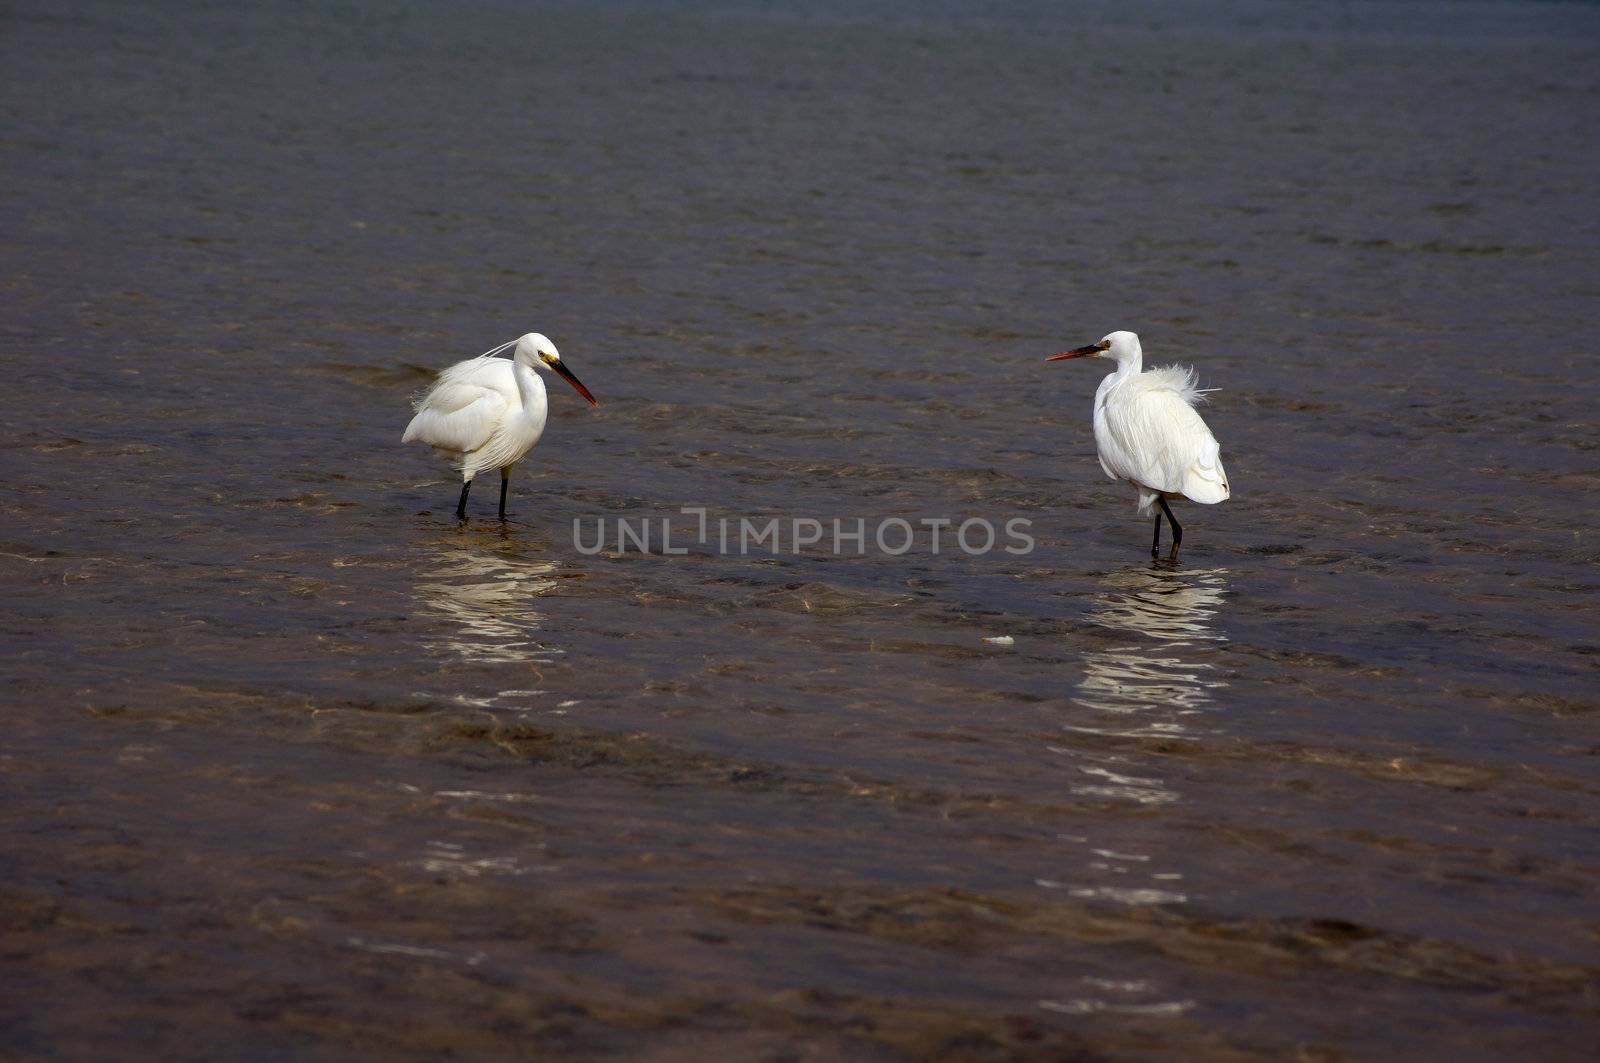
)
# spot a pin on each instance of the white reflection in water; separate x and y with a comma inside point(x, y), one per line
point(1153, 682)
point(448, 858)
point(1118, 996)
point(1152, 685)
point(487, 601)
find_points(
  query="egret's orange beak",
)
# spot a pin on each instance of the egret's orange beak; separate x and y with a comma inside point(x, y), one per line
point(566, 374)
point(1077, 352)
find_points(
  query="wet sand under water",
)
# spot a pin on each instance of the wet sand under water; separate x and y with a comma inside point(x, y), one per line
point(293, 765)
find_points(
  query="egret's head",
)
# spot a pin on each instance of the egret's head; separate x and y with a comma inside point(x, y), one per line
point(1117, 345)
point(536, 349)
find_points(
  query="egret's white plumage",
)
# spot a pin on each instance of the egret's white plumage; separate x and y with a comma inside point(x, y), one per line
point(488, 412)
point(1148, 433)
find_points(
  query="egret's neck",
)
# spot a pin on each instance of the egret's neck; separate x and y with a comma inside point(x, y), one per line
point(1129, 365)
point(531, 388)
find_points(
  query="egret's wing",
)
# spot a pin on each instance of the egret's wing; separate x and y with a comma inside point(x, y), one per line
point(1205, 480)
point(1157, 439)
point(456, 416)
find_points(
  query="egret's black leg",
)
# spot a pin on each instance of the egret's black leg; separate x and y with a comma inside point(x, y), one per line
point(1155, 544)
point(505, 481)
point(1177, 530)
point(461, 507)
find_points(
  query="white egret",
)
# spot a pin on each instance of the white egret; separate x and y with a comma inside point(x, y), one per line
point(1147, 432)
point(488, 412)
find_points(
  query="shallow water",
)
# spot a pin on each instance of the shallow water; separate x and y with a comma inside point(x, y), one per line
point(294, 765)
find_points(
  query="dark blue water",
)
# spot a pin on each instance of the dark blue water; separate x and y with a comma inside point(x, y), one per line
point(296, 766)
